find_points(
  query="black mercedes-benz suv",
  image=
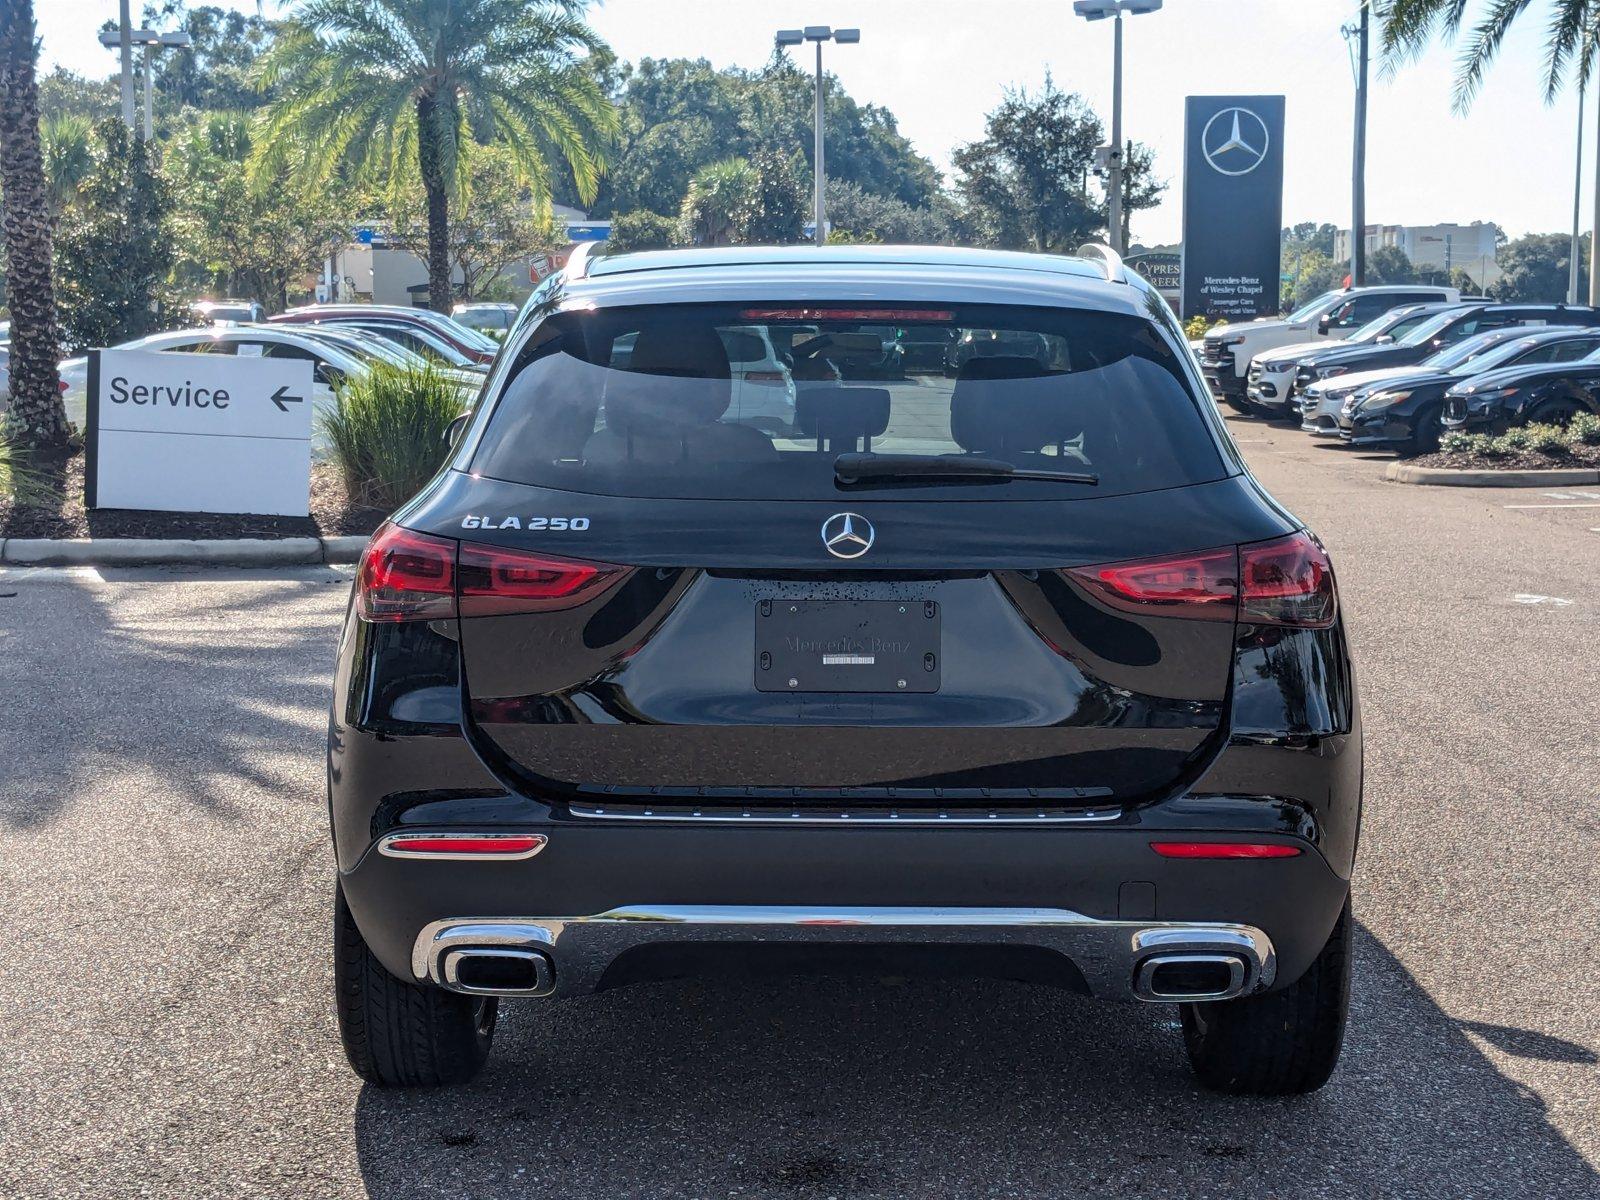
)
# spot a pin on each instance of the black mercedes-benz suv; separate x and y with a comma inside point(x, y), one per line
point(1015, 674)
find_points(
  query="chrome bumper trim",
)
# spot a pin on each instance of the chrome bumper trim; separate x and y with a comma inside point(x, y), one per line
point(1110, 954)
point(755, 815)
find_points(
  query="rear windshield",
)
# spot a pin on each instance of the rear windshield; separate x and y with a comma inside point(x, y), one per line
point(757, 401)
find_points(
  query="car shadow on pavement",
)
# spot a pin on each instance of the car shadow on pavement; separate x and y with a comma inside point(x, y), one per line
point(850, 1087)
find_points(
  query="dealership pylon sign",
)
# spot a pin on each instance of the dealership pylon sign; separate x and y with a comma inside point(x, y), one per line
point(199, 433)
point(1232, 205)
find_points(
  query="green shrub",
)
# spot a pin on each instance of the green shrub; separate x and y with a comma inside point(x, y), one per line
point(1195, 327)
point(1456, 442)
point(387, 431)
point(1547, 439)
point(19, 481)
point(1486, 446)
point(1515, 440)
point(1584, 430)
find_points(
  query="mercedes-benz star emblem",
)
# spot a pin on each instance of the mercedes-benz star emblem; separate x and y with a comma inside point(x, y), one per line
point(847, 535)
point(1234, 141)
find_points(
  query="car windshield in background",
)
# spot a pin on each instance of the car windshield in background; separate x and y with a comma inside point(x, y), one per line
point(1308, 310)
point(758, 401)
point(1430, 328)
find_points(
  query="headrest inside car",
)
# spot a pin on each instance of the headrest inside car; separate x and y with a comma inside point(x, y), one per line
point(834, 414)
point(1012, 404)
point(677, 378)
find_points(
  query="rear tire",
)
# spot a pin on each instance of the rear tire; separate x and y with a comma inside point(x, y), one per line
point(1280, 1044)
point(1556, 412)
point(1237, 403)
point(397, 1033)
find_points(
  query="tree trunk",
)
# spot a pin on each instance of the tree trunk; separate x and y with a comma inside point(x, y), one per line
point(429, 155)
point(37, 417)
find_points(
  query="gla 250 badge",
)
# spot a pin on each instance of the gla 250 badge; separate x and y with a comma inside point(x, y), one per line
point(554, 524)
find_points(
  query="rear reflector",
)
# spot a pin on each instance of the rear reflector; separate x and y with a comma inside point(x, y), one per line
point(410, 576)
point(485, 845)
point(1287, 581)
point(1224, 850)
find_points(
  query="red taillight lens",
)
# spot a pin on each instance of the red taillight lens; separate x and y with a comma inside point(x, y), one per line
point(1286, 582)
point(1224, 850)
point(406, 576)
point(409, 576)
point(494, 581)
point(489, 845)
point(1203, 585)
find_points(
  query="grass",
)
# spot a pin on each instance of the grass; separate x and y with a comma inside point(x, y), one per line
point(387, 431)
point(20, 482)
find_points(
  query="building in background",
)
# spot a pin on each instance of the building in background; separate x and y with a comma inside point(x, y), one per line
point(1441, 248)
point(369, 269)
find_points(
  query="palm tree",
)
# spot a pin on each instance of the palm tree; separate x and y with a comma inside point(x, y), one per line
point(68, 144)
point(1570, 38)
point(36, 418)
point(374, 87)
point(720, 203)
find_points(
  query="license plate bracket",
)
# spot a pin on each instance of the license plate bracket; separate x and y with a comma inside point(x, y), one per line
point(848, 646)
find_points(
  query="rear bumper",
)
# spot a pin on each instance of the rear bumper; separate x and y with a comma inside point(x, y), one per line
point(1116, 959)
point(1099, 898)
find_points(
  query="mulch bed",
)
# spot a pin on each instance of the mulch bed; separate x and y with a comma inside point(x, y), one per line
point(333, 513)
point(1527, 460)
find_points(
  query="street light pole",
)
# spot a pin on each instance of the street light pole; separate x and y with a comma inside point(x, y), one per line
point(1099, 10)
point(819, 177)
point(125, 49)
point(1577, 209)
point(1358, 174)
point(819, 174)
point(150, 41)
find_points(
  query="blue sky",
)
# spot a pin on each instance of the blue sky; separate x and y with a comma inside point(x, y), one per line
point(939, 65)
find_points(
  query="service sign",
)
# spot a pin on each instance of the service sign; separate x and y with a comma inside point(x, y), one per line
point(209, 433)
point(1232, 206)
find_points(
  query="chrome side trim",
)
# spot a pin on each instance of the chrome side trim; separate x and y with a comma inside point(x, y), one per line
point(1109, 953)
point(854, 816)
point(390, 847)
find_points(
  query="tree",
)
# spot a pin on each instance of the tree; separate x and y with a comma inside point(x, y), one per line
point(642, 230)
point(1389, 264)
point(1534, 269)
point(867, 217)
point(116, 255)
point(384, 86)
point(779, 212)
point(216, 72)
point(720, 204)
point(504, 223)
point(68, 145)
point(1024, 183)
point(241, 240)
point(1140, 187)
point(1572, 28)
point(1314, 272)
point(36, 417)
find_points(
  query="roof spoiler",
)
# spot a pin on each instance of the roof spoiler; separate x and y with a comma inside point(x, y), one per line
point(1110, 260)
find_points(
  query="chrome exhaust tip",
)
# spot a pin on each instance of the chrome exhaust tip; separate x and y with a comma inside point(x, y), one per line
point(1185, 978)
point(496, 971)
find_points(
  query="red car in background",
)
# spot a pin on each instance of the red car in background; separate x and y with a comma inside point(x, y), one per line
point(469, 342)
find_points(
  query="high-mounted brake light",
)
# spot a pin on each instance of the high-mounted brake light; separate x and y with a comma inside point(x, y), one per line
point(470, 846)
point(410, 576)
point(897, 315)
point(1224, 849)
point(1287, 581)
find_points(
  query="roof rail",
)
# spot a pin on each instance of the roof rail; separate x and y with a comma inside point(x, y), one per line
point(578, 261)
point(1110, 260)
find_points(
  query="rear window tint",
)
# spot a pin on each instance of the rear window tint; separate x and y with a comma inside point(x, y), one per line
point(755, 401)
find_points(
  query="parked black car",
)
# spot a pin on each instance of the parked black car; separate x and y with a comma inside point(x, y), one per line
point(1444, 330)
point(968, 344)
point(1405, 414)
point(1020, 675)
point(1554, 394)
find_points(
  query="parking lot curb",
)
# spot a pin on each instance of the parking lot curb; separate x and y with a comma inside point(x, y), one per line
point(1442, 477)
point(236, 552)
point(343, 549)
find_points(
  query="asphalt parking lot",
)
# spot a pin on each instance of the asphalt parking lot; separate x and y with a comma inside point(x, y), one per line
point(169, 1031)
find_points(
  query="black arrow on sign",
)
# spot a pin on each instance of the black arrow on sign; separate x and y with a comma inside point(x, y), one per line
point(282, 398)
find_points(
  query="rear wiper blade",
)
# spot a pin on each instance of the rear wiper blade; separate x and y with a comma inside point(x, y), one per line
point(872, 468)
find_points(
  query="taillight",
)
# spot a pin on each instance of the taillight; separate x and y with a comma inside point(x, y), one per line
point(494, 581)
point(1286, 582)
point(406, 576)
point(1203, 585)
point(410, 576)
point(1224, 849)
point(468, 846)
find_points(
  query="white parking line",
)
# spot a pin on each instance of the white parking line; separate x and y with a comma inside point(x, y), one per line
point(1595, 505)
point(1553, 601)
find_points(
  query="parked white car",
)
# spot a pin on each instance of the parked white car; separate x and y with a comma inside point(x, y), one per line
point(1229, 349)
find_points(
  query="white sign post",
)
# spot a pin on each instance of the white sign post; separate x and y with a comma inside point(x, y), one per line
point(199, 433)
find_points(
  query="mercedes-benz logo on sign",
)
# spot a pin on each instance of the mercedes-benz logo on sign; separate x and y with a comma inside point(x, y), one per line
point(847, 535)
point(1234, 141)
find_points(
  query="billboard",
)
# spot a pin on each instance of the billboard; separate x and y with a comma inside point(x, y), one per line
point(1232, 205)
